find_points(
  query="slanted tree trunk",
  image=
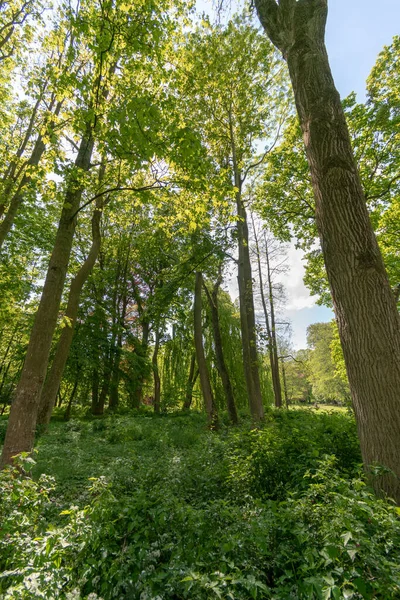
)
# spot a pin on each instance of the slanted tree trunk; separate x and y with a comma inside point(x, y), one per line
point(53, 381)
point(193, 375)
point(156, 374)
point(20, 433)
point(365, 308)
point(219, 353)
point(205, 384)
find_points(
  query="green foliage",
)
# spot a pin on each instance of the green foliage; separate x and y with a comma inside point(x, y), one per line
point(269, 462)
point(327, 383)
point(180, 512)
point(285, 198)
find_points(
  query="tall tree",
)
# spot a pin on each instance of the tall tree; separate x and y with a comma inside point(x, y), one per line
point(365, 308)
point(101, 37)
point(52, 383)
point(212, 298)
point(262, 247)
point(204, 375)
point(228, 72)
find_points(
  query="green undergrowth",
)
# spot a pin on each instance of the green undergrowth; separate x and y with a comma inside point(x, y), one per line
point(159, 508)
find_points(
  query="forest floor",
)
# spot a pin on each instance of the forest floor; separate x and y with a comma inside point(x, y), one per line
point(159, 508)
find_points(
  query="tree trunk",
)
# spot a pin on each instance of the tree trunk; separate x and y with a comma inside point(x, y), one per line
point(193, 374)
point(272, 346)
point(245, 283)
point(20, 433)
point(247, 315)
point(136, 398)
point(67, 414)
point(365, 308)
point(219, 353)
point(285, 392)
point(95, 390)
point(115, 378)
point(52, 383)
point(201, 359)
point(156, 375)
point(99, 405)
point(120, 324)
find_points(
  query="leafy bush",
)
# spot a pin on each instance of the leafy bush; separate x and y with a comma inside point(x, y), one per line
point(184, 514)
point(269, 462)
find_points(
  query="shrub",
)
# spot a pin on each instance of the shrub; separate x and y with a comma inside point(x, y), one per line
point(188, 514)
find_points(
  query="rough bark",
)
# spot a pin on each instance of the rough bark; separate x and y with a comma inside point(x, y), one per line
point(20, 433)
point(365, 308)
point(205, 384)
point(219, 353)
point(52, 383)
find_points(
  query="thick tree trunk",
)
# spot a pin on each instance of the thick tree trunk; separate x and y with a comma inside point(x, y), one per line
point(193, 375)
point(52, 383)
point(365, 308)
point(201, 359)
point(219, 353)
point(156, 374)
point(20, 433)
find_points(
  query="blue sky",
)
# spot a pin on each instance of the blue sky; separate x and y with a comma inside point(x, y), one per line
point(356, 32)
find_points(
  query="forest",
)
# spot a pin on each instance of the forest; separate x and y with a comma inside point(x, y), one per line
point(162, 437)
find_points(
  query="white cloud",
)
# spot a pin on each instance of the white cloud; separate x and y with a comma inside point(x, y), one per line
point(298, 295)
